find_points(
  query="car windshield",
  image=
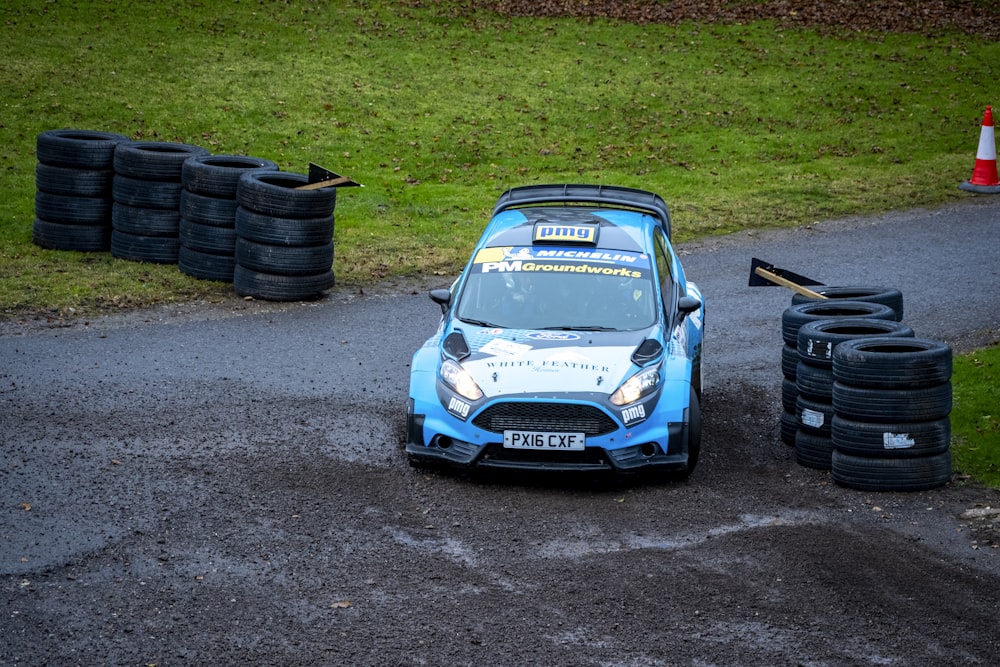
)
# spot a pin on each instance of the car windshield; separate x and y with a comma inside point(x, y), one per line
point(559, 288)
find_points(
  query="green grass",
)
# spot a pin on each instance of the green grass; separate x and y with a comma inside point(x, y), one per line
point(437, 109)
point(975, 415)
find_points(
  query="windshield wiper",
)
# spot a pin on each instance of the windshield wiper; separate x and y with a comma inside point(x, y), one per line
point(482, 323)
point(583, 328)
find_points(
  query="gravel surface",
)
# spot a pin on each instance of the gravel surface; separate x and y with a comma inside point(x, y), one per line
point(225, 484)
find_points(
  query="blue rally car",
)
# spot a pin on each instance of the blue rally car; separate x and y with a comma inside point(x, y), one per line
point(571, 341)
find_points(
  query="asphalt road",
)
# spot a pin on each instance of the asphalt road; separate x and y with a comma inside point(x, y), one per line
point(225, 484)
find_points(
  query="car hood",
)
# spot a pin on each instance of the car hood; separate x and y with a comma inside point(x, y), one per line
point(508, 361)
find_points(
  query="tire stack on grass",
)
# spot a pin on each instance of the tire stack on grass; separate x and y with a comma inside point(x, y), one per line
point(817, 342)
point(792, 320)
point(284, 237)
point(892, 402)
point(147, 196)
point(207, 229)
point(73, 180)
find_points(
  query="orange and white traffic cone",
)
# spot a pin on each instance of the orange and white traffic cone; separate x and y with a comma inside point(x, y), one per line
point(984, 175)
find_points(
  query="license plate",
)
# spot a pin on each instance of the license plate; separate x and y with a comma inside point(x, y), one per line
point(544, 440)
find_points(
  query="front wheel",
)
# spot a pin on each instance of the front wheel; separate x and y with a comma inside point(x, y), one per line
point(693, 433)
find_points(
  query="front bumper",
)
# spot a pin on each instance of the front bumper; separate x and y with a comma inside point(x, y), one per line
point(450, 451)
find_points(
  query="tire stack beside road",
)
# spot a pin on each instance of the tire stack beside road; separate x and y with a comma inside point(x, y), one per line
point(793, 318)
point(814, 380)
point(284, 237)
point(892, 401)
point(73, 181)
point(207, 229)
point(147, 192)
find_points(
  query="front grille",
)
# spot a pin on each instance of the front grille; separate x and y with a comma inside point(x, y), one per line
point(591, 458)
point(561, 417)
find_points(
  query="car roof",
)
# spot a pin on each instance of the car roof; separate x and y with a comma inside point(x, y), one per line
point(602, 196)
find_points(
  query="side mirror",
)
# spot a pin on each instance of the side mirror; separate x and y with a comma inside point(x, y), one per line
point(687, 305)
point(442, 297)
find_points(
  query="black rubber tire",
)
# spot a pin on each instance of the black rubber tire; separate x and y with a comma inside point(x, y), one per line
point(814, 382)
point(73, 182)
point(274, 193)
point(284, 260)
point(917, 473)
point(817, 340)
point(893, 363)
point(205, 266)
point(78, 149)
point(276, 230)
point(892, 406)
point(789, 361)
point(92, 211)
point(888, 296)
point(694, 431)
point(890, 440)
point(789, 423)
point(205, 210)
point(154, 160)
point(153, 249)
point(219, 175)
point(143, 193)
point(789, 395)
point(280, 288)
point(795, 316)
point(145, 221)
point(814, 416)
point(813, 450)
point(85, 238)
point(208, 238)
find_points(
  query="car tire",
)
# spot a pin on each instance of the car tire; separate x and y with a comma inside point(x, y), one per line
point(72, 210)
point(880, 440)
point(918, 473)
point(817, 340)
point(138, 248)
point(71, 182)
point(163, 195)
point(154, 160)
point(814, 416)
point(888, 363)
point(885, 295)
point(284, 260)
point(813, 450)
point(789, 426)
point(276, 194)
point(693, 433)
point(275, 230)
point(797, 315)
point(206, 210)
point(145, 221)
point(892, 406)
point(204, 265)
point(58, 236)
point(218, 176)
point(814, 383)
point(78, 149)
point(273, 287)
point(207, 238)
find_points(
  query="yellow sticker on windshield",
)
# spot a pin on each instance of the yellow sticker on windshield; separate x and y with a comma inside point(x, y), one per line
point(550, 233)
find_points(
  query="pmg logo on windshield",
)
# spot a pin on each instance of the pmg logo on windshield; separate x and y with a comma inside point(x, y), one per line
point(549, 233)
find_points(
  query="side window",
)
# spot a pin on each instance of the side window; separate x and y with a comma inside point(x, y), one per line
point(663, 270)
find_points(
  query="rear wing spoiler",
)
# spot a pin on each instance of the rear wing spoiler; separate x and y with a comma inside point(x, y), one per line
point(599, 195)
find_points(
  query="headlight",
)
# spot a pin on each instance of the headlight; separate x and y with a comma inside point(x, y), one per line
point(641, 384)
point(459, 380)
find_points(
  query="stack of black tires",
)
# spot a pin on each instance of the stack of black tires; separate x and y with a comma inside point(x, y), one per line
point(147, 197)
point(871, 402)
point(284, 237)
point(892, 402)
point(816, 403)
point(73, 181)
point(208, 213)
